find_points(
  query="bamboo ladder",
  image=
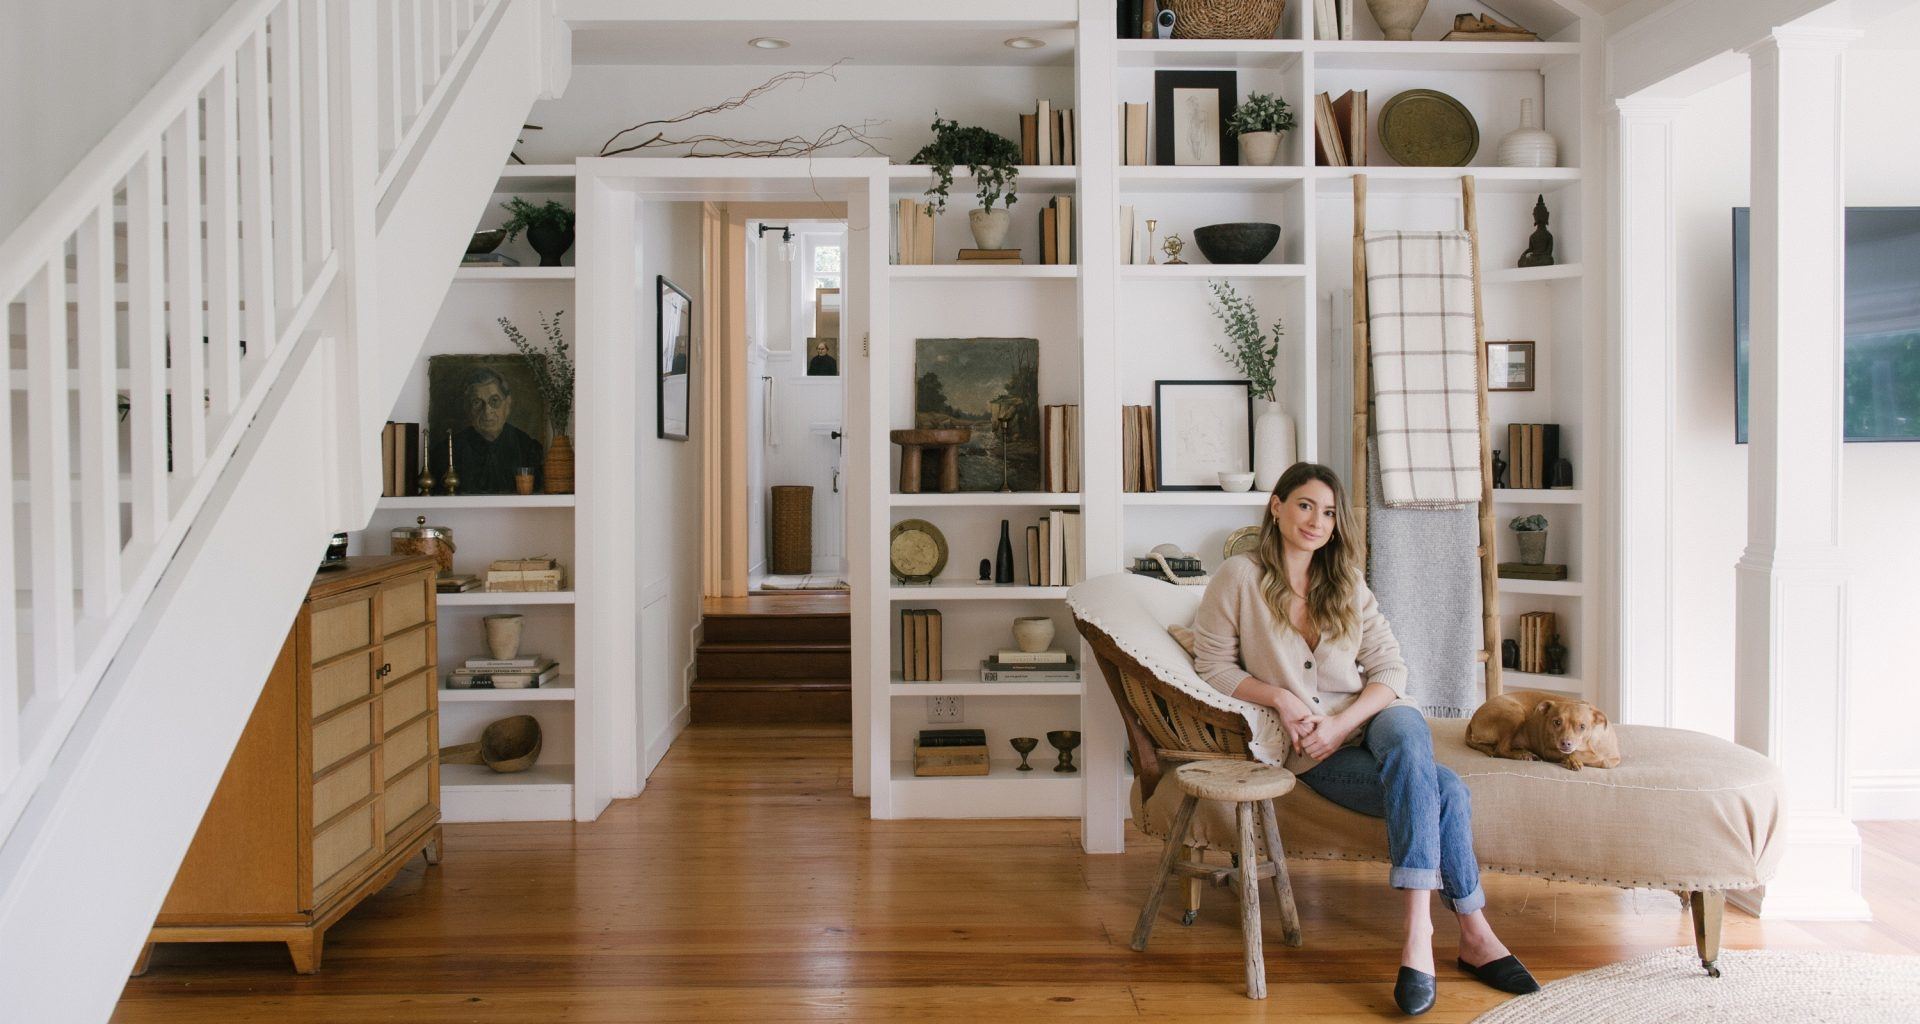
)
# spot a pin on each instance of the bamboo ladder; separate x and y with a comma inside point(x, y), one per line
point(1362, 402)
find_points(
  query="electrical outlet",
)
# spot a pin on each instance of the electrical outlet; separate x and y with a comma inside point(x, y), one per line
point(943, 709)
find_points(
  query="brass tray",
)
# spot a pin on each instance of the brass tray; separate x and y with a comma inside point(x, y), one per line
point(1425, 128)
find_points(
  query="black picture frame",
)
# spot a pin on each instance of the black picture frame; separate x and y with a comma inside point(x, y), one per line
point(1162, 421)
point(673, 358)
point(1165, 110)
point(1507, 355)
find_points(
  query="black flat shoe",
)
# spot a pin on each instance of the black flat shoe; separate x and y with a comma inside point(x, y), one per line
point(1507, 974)
point(1413, 992)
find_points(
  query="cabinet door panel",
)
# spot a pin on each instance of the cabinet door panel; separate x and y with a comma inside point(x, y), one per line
point(405, 603)
point(345, 624)
point(342, 788)
point(342, 682)
point(342, 736)
point(406, 700)
point(408, 746)
point(406, 654)
point(336, 850)
point(405, 798)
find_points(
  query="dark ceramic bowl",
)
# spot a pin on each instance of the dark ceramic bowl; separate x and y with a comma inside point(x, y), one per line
point(1236, 243)
point(486, 241)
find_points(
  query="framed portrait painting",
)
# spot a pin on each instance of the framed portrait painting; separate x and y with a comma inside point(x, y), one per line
point(674, 344)
point(1191, 109)
point(486, 416)
point(1202, 428)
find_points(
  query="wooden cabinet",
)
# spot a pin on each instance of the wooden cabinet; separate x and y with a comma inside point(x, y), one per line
point(335, 783)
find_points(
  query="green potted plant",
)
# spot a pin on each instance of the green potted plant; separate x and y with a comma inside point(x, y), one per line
point(1254, 353)
point(549, 227)
point(553, 375)
point(1531, 533)
point(1259, 123)
point(992, 158)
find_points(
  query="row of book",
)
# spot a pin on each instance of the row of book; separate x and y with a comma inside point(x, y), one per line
point(1532, 450)
point(1054, 557)
point(1056, 232)
point(1340, 129)
point(1537, 629)
point(400, 451)
point(1136, 130)
point(1060, 448)
point(1333, 19)
point(913, 234)
point(1029, 667)
point(1046, 136)
point(920, 645)
point(1136, 242)
point(1138, 461)
point(539, 574)
point(522, 673)
point(950, 752)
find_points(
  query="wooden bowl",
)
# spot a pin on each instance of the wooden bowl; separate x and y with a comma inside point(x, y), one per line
point(508, 745)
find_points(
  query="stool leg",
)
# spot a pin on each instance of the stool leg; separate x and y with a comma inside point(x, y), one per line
point(1248, 876)
point(1176, 841)
point(909, 469)
point(1708, 908)
point(950, 469)
point(1282, 885)
point(1197, 856)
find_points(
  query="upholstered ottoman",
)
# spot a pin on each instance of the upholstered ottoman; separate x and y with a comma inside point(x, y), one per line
point(1684, 811)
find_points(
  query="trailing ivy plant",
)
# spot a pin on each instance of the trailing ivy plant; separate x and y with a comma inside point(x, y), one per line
point(1252, 352)
point(1262, 112)
point(552, 368)
point(522, 215)
point(994, 160)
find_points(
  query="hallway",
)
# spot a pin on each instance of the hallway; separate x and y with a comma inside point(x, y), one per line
point(746, 885)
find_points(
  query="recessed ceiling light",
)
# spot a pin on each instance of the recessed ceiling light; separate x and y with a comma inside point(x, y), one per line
point(768, 43)
point(1025, 43)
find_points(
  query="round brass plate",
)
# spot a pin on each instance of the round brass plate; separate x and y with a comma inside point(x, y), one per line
point(1246, 538)
point(1424, 128)
point(917, 550)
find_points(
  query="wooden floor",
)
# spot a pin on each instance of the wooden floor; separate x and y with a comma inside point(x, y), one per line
point(746, 885)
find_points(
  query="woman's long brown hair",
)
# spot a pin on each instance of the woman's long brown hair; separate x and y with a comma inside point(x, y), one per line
point(1334, 573)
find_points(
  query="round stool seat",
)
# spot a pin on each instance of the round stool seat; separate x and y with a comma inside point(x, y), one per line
point(1234, 781)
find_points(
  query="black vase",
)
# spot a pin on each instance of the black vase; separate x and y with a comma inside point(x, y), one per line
point(1003, 559)
point(550, 242)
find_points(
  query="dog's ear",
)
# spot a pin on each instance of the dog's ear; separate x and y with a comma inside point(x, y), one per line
point(1543, 707)
point(1600, 717)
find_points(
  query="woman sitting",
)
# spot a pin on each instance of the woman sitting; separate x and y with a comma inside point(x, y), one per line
point(1293, 626)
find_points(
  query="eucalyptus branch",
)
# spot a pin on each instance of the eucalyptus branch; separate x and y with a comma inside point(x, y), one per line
point(1252, 352)
point(552, 367)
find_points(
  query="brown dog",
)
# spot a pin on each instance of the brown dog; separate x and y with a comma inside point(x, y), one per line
point(1531, 725)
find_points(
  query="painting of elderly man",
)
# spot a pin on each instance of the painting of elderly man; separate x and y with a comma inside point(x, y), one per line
point(491, 408)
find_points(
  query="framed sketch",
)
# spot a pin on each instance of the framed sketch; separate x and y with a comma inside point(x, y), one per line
point(1202, 428)
point(1191, 109)
point(674, 337)
point(823, 356)
point(486, 414)
point(1510, 366)
point(992, 387)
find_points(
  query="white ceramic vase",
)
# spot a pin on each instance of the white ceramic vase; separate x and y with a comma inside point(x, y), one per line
point(1528, 145)
point(1273, 444)
point(1259, 149)
point(503, 635)
point(1033, 633)
point(1397, 18)
point(989, 227)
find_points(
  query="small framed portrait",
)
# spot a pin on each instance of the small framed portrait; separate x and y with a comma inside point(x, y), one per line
point(1510, 366)
point(823, 357)
point(674, 343)
point(1191, 109)
point(1202, 428)
point(485, 413)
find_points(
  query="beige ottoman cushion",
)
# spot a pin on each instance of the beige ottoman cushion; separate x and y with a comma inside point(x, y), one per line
point(1683, 811)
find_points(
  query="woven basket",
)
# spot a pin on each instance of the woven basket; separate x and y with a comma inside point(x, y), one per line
point(558, 469)
point(792, 530)
point(1225, 19)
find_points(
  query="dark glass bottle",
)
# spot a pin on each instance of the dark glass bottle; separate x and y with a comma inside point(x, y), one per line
point(1003, 559)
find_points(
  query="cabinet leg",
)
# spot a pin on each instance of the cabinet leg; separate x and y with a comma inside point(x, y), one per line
point(1197, 856)
point(306, 952)
point(140, 963)
point(431, 851)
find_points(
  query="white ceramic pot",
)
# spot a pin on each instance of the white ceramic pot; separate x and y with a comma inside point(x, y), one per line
point(1533, 546)
point(1259, 149)
point(1397, 18)
point(1033, 633)
point(989, 227)
point(1236, 483)
point(503, 635)
point(1273, 444)
point(1528, 145)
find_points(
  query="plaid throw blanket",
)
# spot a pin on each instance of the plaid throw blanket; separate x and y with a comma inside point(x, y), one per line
point(1425, 366)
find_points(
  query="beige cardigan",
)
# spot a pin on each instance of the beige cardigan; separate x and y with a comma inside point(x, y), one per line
point(1235, 635)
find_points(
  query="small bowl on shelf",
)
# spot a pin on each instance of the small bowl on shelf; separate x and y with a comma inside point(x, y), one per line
point(484, 242)
point(1236, 483)
point(1246, 242)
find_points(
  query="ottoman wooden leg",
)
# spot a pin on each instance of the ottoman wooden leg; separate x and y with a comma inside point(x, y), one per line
point(1708, 908)
point(1282, 885)
point(1248, 877)
point(1176, 842)
point(909, 469)
point(1195, 855)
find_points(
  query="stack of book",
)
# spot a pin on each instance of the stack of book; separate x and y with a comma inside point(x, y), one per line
point(1340, 129)
point(1046, 136)
point(1054, 558)
point(399, 459)
point(989, 257)
point(1536, 631)
point(939, 752)
point(1056, 232)
point(456, 583)
point(1138, 464)
point(1029, 667)
point(913, 234)
point(488, 259)
point(1529, 571)
point(1136, 148)
point(1182, 566)
point(920, 645)
point(526, 673)
point(1333, 19)
point(1532, 450)
point(524, 575)
point(1135, 241)
point(1060, 447)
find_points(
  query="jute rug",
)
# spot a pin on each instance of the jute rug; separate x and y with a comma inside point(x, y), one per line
point(1755, 985)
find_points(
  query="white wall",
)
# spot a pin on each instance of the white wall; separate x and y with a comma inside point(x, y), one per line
point(1881, 481)
point(69, 72)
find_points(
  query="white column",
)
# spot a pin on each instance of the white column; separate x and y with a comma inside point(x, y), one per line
point(1645, 331)
point(1790, 661)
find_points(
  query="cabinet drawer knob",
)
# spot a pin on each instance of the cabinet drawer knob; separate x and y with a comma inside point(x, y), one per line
point(385, 670)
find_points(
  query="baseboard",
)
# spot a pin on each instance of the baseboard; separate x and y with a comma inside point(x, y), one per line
point(658, 746)
point(1886, 794)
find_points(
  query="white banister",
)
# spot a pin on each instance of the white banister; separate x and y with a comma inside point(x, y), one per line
point(186, 361)
point(50, 483)
point(146, 355)
point(256, 199)
point(284, 83)
point(222, 128)
point(99, 439)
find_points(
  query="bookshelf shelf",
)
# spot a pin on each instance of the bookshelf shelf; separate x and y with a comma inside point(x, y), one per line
point(486, 597)
point(1530, 275)
point(947, 591)
point(989, 272)
point(1539, 496)
point(1514, 679)
point(472, 274)
point(1446, 180)
point(989, 499)
point(1137, 179)
point(1270, 54)
point(1434, 55)
point(1205, 271)
point(906, 179)
point(476, 501)
point(561, 688)
point(1542, 588)
point(1005, 792)
point(962, 683)
point(474, 792)
point(1253, 499)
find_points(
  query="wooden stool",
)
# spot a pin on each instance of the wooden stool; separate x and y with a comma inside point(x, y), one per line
point(946, 440)
point(1247, 785)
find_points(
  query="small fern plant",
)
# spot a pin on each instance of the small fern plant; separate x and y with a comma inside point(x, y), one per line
point(994, 160)
point(1262, 112)
point(552, 368)
point(1251, 351)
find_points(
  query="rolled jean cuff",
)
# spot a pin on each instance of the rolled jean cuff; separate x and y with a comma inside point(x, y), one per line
point(1414, 878)
point(1469, 903)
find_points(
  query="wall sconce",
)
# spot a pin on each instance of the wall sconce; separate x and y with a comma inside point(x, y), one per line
point(786, 240)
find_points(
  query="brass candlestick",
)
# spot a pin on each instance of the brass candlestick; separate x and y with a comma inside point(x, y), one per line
point(451, 482)
point(1152, 223)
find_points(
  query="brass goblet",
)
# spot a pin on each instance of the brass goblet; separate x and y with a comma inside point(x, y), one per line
point(1064, 740)
point(1024, 745)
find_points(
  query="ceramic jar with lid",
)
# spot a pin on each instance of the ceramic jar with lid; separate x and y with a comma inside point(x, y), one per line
point(421, 539)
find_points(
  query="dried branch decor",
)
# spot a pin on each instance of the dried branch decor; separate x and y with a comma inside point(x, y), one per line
point(1253, 353)
point(552, 368)
point(792, 145)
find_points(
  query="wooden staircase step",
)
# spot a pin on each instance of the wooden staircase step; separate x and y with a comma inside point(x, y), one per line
point(732, 701)
point(773, 661)
point(778, 628)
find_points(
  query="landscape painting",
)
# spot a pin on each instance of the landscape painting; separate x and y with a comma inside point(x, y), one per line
point(964, 382)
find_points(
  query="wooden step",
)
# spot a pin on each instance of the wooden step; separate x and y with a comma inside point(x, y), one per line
point(741, 702)
point(778, 628)
point(756, 661)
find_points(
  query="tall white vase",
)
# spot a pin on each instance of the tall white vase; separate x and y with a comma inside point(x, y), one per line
point(1273, 444)
point(1528, 145)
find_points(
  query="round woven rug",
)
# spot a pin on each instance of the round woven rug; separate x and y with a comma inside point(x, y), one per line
point(1756, 985)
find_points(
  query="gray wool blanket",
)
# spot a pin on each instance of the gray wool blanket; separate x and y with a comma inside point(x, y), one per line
point(1422, 567)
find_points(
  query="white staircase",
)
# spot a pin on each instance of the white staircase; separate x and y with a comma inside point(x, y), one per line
point(206, 322)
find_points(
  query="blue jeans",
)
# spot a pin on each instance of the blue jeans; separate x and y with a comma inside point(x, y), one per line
point(1429, 813)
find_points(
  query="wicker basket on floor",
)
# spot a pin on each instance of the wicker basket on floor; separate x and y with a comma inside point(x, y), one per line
point(792, 530)
point(1225, 19)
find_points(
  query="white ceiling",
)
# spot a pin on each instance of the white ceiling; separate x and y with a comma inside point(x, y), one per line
point(819, 43)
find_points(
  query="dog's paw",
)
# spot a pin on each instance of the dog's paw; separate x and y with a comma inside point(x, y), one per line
point(1525, 755)
point(1571, 765)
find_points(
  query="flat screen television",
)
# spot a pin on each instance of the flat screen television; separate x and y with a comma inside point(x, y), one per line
point(1881, 397)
